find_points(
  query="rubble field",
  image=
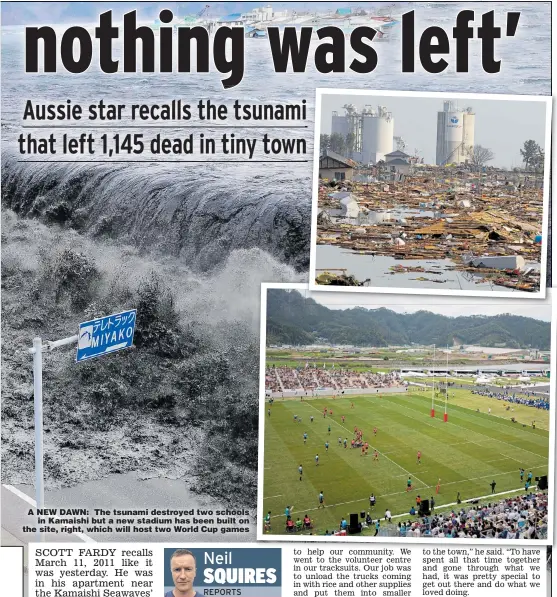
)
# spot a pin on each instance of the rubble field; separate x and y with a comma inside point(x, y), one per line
point(494, 235)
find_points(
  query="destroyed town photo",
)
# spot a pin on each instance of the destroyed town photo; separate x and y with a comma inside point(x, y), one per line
point(425, 191)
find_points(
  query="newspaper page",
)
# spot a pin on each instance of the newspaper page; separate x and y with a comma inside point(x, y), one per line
point(276, 299)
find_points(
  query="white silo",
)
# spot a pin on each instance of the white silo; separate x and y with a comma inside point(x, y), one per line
point(377, 134)
point(468, 132)
point(339, 124)
point(455, 134)
point(349, 127)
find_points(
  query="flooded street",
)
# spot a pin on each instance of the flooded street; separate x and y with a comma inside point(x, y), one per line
point(376, 269)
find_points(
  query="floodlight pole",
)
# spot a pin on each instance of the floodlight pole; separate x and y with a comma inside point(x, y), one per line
point(37, 352)
point(446, 416)
point(433, 386)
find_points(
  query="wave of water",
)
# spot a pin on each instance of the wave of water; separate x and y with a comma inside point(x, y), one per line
point(220, 310)
point(201, 215)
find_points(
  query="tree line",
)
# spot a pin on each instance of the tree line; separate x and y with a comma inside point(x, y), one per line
point(342, 144)
point(294, 319)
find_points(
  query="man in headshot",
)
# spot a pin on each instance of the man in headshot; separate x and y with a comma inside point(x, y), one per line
point(182, 566)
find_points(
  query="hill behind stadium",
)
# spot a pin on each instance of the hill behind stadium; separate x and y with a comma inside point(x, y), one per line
point(294, 319)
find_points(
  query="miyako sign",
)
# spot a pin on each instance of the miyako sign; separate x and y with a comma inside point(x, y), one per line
point(105, 335)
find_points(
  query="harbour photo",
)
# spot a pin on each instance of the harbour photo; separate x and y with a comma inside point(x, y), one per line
point(419, 191)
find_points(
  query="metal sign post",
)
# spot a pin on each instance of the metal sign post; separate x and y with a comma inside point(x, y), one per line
point(96, 337)
point(37, 352)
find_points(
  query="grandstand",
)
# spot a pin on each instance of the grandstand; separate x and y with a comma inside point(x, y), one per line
point(520, 517)
point(294, 381)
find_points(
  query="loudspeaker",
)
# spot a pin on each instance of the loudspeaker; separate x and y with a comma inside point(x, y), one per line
point(354, 530)
point(362, 514)
point(424, 507)
point(354, 520)
point(543, 483)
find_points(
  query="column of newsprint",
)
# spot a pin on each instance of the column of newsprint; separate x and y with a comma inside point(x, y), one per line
point(301, 570)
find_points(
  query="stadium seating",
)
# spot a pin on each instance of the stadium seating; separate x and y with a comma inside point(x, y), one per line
point(522, 517)
point(308, 379)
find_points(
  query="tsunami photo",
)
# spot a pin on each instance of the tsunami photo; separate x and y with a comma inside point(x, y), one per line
point(391, 418)
point(169, 422)
point(415, 192)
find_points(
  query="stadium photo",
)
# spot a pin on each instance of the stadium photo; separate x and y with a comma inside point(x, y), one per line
point(404, 417)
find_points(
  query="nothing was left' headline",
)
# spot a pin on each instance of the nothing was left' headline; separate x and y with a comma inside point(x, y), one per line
point(289, 46)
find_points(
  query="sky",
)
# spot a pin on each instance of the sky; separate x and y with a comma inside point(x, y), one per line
point(501, 126)
point(443, 305)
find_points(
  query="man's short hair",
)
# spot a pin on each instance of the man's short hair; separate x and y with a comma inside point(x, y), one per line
point(182, 552)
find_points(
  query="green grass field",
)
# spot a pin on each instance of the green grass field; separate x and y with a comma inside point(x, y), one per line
point(466, 453)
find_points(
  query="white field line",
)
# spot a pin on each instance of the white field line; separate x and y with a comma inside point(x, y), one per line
point(455, 444)
point(33, 503)
point(373, 448)
point(496, 460)
point(442, 405)
point(513, 458)
point(484, 435)
point(366, 499)
point(429, 424)
point(481, 497)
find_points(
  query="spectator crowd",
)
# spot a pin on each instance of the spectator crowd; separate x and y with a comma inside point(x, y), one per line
point(311, 378)
point(528, 399)
point(521, 517)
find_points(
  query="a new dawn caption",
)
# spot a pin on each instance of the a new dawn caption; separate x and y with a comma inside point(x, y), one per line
point(288, 46)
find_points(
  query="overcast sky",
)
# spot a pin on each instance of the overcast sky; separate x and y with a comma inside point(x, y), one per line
point(501, 125)
point(444, 305)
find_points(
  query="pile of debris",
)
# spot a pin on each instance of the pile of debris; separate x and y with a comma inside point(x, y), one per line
point(330, 279)
point(427, 217)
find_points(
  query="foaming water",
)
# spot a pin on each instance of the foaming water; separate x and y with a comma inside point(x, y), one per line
point(198, 215)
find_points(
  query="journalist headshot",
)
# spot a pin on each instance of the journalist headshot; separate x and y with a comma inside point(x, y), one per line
point(182, 566)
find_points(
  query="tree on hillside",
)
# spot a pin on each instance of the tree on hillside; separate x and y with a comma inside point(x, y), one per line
point(72, 275)
point(529, 152)
point(380, 167)
point(157, 324)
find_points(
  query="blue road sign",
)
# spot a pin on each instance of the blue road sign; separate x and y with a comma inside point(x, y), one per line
point(105, 335)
